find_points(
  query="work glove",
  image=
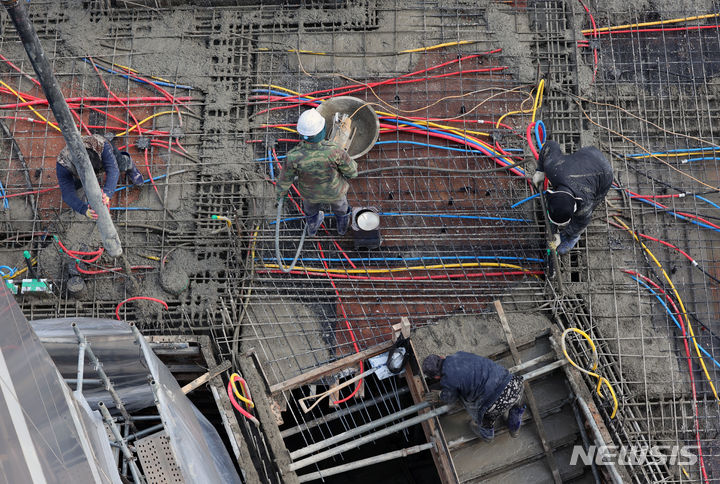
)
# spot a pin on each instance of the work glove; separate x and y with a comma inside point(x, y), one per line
point(105, 199)
point(555, 242)
point(432, 397)
point(538, 178)
point(90, 213)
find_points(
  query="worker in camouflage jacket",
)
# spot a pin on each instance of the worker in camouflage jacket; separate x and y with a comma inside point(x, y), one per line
point(578, 183)
point(104, 158)
point(322, 169)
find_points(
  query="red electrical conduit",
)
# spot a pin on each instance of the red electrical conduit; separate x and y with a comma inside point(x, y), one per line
point(407, 81)
point(135, 298)
point(689, 362)
point(388, 81)
point(88, 99)
point(347, 325)
point(595, 35)
point(668, 244)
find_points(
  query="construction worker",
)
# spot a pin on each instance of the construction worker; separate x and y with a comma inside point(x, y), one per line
point(104, 158)
point(577, 184)
point(322, 169)
point(486, 389)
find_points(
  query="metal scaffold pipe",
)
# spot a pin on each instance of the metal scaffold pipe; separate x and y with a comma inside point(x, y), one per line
point(18, 13)
point(339, 449)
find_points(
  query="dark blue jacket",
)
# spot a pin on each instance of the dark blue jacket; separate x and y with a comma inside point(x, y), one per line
point(67, 180)
point(474, 379)
point(587, 174)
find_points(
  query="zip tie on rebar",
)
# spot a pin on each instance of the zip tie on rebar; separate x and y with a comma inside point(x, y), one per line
point(679, 299)
point(601, 379)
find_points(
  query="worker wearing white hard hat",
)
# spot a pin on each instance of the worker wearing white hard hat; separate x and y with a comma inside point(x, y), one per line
point(320, 170)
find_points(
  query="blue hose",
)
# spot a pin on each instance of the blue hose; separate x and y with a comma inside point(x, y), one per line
point(670, 313)
point(272, 170)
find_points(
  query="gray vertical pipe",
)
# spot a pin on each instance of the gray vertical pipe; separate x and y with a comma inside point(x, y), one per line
point(18, 13)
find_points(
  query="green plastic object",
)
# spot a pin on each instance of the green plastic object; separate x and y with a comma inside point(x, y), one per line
point(11, 287)
point(34, 285)
point(26, 254)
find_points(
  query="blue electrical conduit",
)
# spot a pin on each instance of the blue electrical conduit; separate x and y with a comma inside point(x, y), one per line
point(159, 83)
point(688, 150)
point(431, 215)
point(670, 313)
point(12, 270)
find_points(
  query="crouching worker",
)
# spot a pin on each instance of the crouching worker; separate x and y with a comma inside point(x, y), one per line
point(322, 169)
point(486, 389)
point(104, 158)
point(577, 184)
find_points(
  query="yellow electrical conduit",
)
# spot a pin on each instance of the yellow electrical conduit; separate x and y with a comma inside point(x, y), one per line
point(682, 306)
point(30, 107)
point(127, 131)
point(17, 273)
point(245, 398)
point(401, 269)
point(537, 104)
point(407, 51)
point(538, 99)
point(649, 24)
point(601, 379)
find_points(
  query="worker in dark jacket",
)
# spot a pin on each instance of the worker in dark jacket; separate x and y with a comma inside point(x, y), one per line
point(577, 184)
point(104, 158)
point(486, 389)
point(322, 169)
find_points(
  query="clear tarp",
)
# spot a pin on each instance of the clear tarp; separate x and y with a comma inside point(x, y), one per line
point(198, 449)
point(44, 433)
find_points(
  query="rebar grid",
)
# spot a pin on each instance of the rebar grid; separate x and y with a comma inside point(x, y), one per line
point(299, 322)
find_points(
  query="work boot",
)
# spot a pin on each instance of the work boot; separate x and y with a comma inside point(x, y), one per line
point(313, 222)
point(132, 173)
point(487, 434)
point(514, 420)
point(566, 245)
point(342, 222)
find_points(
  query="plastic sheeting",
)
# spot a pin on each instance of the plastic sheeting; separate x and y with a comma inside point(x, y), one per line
point(114, 345)
point(44, 432)
point(198, 449)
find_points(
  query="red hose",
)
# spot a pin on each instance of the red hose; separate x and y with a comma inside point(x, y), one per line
point(110, 269)
point(145, 298)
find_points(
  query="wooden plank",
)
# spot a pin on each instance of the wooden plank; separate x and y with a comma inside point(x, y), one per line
point(201, 380)
point(317, 373)
point(432, 429)
point(529, 395)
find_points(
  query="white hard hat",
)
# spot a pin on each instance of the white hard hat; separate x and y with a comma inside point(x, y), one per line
point(310, 123)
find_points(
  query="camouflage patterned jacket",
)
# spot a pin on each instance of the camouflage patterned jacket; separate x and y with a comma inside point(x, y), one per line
point(322, 170)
